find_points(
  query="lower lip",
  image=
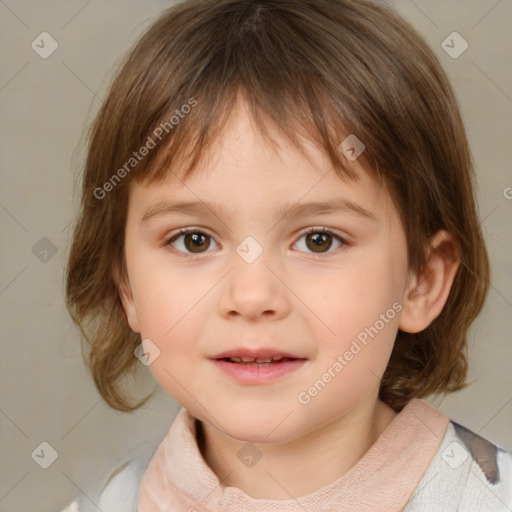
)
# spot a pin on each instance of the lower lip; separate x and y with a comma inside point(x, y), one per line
point(258, 374)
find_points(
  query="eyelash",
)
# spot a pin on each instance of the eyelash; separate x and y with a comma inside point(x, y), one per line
point(184, 231)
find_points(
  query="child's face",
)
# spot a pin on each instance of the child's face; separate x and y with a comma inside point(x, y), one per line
point(310, 304)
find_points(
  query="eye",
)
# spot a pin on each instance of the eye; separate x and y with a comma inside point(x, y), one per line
point(320, 240)
point(194, 241)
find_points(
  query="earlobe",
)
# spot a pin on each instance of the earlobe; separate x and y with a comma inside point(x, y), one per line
point(428, 292)
point(126, 296)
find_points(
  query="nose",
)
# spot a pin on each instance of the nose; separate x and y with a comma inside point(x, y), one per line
point(254, 289)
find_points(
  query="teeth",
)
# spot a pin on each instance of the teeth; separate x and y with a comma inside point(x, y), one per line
point(254, 360)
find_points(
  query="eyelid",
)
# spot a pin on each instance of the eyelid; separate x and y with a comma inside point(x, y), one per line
point(191, 229)
point(322, 229)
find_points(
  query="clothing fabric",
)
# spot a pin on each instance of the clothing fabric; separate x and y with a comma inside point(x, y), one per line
point(422, 462)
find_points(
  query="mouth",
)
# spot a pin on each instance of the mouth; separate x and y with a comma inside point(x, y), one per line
point(262, 366)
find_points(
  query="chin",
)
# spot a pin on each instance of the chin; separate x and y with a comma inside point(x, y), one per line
point(256, 435)
point(253, 427)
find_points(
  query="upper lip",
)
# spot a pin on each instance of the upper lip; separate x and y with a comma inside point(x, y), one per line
point(262, 353)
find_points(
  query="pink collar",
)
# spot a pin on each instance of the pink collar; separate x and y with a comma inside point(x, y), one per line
point(178, 478)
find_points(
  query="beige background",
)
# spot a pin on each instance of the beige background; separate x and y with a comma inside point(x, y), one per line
point(46, 394)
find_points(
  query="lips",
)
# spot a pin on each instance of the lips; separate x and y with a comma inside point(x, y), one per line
point(257, 367)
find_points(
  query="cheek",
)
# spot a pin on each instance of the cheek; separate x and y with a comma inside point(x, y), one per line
point(172, 307)
point(355, 296)
point(362, 314)
point(164, 295)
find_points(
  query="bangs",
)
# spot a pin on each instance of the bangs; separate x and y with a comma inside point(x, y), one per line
point(185, 147)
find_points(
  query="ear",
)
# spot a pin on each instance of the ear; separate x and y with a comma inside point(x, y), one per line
point(428, 292)
point(126, 296)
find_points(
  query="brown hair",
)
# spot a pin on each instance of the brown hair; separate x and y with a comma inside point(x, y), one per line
point(320, 68)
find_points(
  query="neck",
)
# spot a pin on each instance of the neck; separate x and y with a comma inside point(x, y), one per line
point(302, 466)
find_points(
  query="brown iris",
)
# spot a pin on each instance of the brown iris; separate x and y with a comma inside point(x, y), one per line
point(317, 241)
point(196, 242)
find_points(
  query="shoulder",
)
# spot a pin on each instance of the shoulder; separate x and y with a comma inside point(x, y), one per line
point(120, 491)
point(468, 473)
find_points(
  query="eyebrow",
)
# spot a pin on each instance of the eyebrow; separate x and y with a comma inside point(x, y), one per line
point(330, 206)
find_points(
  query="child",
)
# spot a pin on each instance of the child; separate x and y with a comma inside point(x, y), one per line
point(238, 137)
